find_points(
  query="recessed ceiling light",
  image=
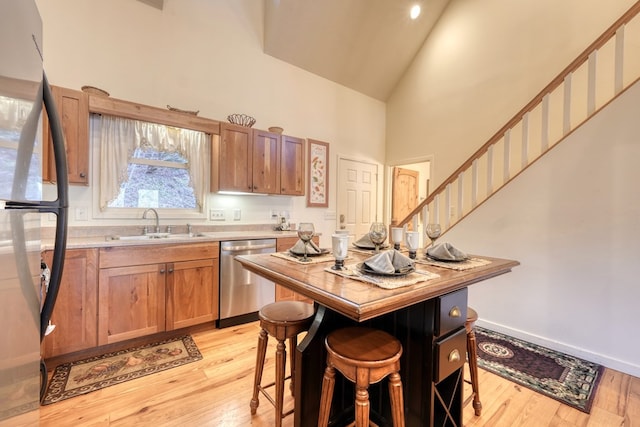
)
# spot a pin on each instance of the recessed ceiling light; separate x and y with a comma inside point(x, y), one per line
point(415, 11)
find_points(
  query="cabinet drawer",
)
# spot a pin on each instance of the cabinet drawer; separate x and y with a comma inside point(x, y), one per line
point(451, 312)
point(450, 354)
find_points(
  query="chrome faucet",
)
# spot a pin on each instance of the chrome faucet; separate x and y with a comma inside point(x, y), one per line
point(144, 216)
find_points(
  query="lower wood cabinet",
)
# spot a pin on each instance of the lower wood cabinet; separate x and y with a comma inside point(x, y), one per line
point(76, 310)
point(283, 293)
point(159, 288)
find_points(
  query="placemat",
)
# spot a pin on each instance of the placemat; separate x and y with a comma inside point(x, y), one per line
point(352, 272)
point(460, 266)
point(298, 259)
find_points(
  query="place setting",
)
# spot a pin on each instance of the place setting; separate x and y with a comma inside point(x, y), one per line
point(373, 241)
point(305, 251)
point(445, 254)
point(388, 269)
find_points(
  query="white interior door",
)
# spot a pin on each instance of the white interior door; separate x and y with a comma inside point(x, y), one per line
point(357, 196)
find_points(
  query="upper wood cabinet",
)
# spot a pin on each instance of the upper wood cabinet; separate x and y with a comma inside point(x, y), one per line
point(256, 161)
point(73, 110)
point(292, 166)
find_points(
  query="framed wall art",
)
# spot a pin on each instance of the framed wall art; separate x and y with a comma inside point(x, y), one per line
point(318, 167)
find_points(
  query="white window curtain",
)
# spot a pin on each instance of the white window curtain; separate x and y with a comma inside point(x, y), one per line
point(120, 137)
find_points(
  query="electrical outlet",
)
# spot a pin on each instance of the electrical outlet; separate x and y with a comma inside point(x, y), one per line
point(82, 213)
point(237, 214)
point(216, 214)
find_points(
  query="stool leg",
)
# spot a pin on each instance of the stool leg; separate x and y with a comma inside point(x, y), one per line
point(362, 401)
point(293, 343)
point(397, 401)
point(263, 337)
point(281, 360)
point(473, 370)
point(328, 382)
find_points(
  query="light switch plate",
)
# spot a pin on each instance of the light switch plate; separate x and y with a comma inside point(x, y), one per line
point(237, 214)
point(216, 214)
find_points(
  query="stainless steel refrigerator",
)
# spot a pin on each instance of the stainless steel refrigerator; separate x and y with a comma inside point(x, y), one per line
point(26, 302)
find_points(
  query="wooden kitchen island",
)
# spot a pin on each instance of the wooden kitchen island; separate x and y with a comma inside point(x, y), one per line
point(428, 318)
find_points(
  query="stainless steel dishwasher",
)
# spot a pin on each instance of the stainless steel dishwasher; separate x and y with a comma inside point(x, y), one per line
point(243, 293)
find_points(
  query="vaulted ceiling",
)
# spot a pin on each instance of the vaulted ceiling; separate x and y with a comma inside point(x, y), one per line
point(365, 45)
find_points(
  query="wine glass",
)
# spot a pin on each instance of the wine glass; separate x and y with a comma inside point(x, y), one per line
point(305, 233)
point(377, 234)
point(433, 232)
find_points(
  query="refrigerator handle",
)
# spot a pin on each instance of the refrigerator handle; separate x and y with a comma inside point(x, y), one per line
point(59, 207)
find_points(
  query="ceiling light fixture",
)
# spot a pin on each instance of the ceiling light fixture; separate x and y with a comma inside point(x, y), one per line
point(415, 11)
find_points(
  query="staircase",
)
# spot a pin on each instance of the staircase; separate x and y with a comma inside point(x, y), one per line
point(600, 74)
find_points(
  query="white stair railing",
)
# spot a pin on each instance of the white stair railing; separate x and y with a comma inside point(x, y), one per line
point(595, 78)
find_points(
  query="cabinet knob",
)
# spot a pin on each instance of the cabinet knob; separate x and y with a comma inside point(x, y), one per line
point(162, 271)
point(454, 356)
point(170, 270)
point(83, 175)
point(455, 312)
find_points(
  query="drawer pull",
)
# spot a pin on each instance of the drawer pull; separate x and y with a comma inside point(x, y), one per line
point(455, 312)
point(454, 356)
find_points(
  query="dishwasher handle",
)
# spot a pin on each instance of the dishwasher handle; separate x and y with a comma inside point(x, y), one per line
point(248, 247)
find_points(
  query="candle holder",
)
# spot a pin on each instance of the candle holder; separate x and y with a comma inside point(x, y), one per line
point(413, 242)
point(339, 246)
point(396, 237)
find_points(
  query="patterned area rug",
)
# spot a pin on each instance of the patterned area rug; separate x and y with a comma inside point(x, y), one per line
point(565, 378)
point(84, 376)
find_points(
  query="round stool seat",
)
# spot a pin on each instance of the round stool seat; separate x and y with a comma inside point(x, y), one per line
point(364, 347)
point(472, 315)
point(283, 312)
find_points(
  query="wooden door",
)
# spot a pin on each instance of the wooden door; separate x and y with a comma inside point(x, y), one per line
point(235, 159)
point(73, 110)
point(404, 194)
point(292, 166)
point(266, 162)
point(76, 311)
point(192, 288)
point(132, 302)
point(357, 189)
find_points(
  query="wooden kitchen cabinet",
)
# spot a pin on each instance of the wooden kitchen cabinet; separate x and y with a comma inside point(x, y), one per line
point(257, 161)
point(73, 110)
point(191, 298)
point(159, 288)
point(76, 310)
point(282, 293)
point(292, 170)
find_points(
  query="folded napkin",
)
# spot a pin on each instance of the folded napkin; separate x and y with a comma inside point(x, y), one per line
point(389, 262)
point(446, 252)
point(298, 248)
point(365, 243)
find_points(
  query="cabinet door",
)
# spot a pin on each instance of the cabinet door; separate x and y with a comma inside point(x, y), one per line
point(235, 159)
point(292, 166)
point(76, 311)
point(266, 162)
point(132, 302)
point(73, 109)
point(192, 297)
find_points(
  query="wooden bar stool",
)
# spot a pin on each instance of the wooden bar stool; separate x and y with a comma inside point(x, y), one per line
point(282, 320)
point(472, 357)
point(364, 356)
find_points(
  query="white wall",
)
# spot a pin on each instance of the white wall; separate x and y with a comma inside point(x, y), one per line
point(207, 55)
point(573, 221)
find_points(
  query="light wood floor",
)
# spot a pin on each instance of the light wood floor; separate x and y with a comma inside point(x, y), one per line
point(216, 392)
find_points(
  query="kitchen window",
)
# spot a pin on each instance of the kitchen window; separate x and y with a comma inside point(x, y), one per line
point(149, 165)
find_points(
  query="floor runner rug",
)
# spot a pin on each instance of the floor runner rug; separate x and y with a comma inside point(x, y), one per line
point(568, 379)
point(84, 376)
